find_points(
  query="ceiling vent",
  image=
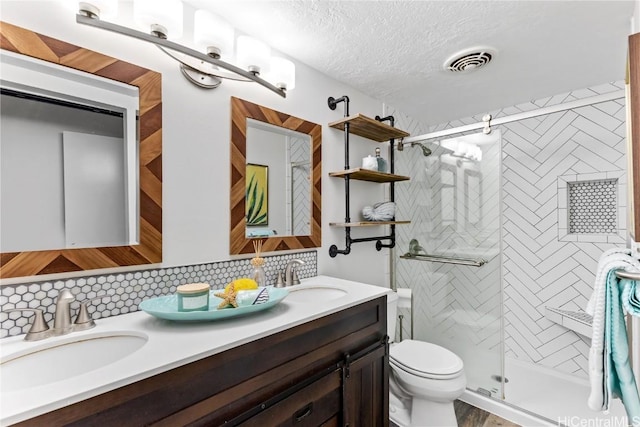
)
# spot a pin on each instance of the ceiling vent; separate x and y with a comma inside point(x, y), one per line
point(469, 59)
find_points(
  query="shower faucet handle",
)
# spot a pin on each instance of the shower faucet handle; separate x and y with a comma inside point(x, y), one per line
point(414, 247)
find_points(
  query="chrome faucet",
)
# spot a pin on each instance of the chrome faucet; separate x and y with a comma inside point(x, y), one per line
point(290, 276)
point(62, 321)
point(62, 324)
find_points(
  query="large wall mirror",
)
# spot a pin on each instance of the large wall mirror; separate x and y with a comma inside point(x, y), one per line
point(81, 155)
point(275, 179)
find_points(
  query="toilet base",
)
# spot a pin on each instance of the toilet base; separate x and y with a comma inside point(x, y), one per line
point(427, 413)
point(421, 413)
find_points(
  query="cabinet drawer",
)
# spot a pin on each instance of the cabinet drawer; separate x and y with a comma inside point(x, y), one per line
point(317, 404)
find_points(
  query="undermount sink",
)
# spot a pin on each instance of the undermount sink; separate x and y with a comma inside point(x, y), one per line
point(314, 293)
point(65, 358)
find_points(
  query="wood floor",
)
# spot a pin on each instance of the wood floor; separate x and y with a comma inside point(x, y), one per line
point(470, 416)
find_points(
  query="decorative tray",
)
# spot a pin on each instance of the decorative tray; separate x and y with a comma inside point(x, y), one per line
point(166, 307)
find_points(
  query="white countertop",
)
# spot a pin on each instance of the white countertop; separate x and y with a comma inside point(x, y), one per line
point(170, 344)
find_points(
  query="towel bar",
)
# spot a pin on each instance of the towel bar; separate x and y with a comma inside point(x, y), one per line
point(628, 275)
point(417, 252)
point(445, 260)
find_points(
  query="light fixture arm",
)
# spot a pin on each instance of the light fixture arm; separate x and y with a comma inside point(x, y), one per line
point(164, 43)
point(238, 78)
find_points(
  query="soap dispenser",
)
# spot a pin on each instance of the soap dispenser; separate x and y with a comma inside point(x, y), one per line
point(382, 163)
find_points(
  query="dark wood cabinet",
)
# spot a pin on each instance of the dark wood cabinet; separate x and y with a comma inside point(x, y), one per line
point(332, 371)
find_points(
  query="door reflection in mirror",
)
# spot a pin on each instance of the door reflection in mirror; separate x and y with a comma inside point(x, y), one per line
point(68, 158)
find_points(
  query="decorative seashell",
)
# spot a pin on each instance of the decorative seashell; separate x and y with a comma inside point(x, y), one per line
point(383, 211)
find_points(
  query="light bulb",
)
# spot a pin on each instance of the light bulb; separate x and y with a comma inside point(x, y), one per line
point(282, 74)
point(103, 9)
point(162, 18)
point(253, 55)
point(212, 34)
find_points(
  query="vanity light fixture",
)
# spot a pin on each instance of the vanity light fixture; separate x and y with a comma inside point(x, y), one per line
point(163, 21)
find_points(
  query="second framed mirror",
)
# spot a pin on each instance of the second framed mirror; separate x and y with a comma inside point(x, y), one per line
point(275, 179)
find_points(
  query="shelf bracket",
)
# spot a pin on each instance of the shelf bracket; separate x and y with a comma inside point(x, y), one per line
point(333, 250)
point(333, 103)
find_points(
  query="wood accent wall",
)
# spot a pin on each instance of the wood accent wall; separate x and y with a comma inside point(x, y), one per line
point(634, 137)
point(149, 251)
point(633, 144)
point(240, 111)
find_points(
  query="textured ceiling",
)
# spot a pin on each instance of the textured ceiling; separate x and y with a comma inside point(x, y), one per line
point(394, 50)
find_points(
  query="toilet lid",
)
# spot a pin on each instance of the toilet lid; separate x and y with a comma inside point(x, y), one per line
point(425, 359)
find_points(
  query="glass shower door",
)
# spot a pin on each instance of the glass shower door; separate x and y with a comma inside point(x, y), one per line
point(453, 201)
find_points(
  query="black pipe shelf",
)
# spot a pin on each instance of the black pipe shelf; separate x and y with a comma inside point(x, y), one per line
point(378, 131)
point(369, 128)
point(368, 175)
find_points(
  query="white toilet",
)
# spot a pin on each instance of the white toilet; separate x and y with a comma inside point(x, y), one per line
point(425, 379)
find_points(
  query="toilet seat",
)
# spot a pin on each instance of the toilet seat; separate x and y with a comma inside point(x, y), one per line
point(425, 360)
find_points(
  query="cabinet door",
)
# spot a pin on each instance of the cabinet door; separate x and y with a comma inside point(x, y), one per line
point(318, 404)
point(366, 389)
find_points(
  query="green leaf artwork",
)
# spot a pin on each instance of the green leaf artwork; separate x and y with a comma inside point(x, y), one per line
point(256, 195)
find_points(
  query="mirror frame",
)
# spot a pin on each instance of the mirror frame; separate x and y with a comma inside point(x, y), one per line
point(241, 110)
point(149, 83)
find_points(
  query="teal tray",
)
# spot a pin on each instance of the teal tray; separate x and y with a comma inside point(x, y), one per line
point(166, 307)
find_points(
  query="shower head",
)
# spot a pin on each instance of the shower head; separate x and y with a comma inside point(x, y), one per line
point(425, 150)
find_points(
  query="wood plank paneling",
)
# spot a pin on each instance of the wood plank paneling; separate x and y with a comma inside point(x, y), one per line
point(149, 251)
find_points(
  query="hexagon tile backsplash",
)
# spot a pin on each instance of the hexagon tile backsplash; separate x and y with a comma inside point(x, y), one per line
point(123, 292)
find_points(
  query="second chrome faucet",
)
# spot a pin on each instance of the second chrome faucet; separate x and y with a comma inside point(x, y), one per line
point(290, 275)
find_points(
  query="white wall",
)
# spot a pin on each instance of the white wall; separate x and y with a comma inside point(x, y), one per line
point(635, 21)
point(196, 134)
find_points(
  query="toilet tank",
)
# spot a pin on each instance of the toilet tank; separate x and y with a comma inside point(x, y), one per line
point(392, 315)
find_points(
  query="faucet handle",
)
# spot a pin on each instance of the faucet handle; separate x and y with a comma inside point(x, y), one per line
point(279, 281)
point(83, 319)
point(294, 277)
point(39, 328)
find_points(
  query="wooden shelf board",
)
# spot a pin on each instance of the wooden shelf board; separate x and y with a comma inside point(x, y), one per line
point(366, 223)
point(369, 128)
point(368, 175)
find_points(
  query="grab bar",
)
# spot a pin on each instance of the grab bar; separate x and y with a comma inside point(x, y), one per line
point(445, 260)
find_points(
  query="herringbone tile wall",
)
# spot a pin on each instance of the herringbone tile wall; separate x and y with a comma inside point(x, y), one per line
point(463, 304)
point(540, 270)
point(298, 186)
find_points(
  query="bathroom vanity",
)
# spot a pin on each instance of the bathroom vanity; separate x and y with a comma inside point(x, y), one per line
point(316, 361)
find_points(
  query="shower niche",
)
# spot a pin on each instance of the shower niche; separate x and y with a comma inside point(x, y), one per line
point(378, 131)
